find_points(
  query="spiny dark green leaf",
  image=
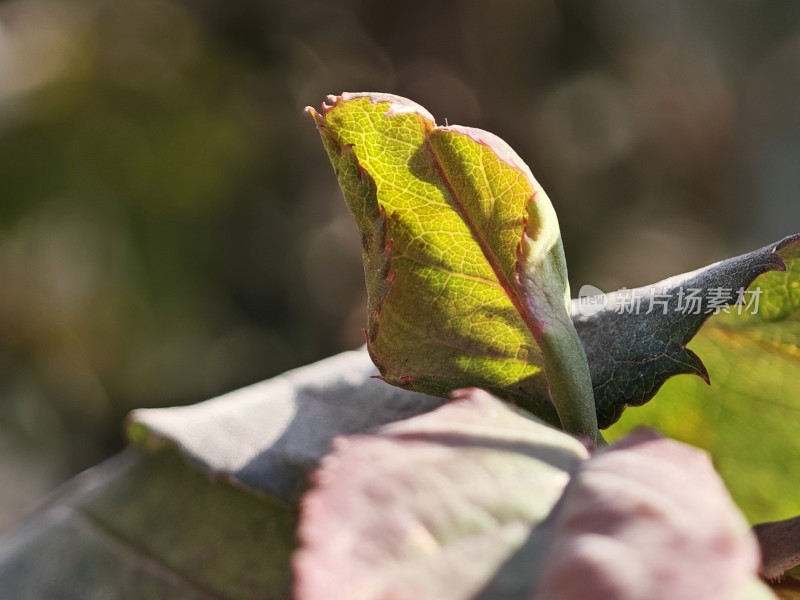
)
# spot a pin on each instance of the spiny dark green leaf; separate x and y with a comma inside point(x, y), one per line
point(631, 354)
point(748, 417)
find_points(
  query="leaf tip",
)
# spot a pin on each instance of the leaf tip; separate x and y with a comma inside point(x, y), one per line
point(789, 240)
point(778, 263)
point(396, 104)
point(326, 106)
point(316, 116)
point(695, 365)
point(787, 248)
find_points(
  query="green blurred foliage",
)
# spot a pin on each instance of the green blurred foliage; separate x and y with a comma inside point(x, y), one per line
point(170, 228)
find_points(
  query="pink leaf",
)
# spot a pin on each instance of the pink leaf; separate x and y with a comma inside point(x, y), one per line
point(648, 518)
point(475, 500)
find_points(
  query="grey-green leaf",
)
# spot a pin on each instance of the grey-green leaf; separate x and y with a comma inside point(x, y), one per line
point(150, 524)
point(147, 526)
point(270, 436)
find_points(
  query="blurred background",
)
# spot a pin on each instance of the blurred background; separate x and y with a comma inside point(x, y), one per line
point(171, 229)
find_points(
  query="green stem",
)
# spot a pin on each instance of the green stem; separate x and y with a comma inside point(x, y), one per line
point(569, 380)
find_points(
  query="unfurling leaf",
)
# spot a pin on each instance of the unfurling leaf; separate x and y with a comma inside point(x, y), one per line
point(474, 500)
point(465, 270)
point(466, 275)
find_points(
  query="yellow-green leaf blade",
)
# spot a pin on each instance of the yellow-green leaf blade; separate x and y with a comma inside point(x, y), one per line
point(441, 214)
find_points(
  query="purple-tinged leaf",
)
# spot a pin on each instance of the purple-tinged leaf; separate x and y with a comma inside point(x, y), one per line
point(433, 507)
point(780, 546)
point(647, 518)
point(472, 501)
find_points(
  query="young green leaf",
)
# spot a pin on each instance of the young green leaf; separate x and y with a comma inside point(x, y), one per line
point(463, 260)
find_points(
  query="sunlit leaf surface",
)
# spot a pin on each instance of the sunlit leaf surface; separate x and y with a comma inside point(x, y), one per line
point(463, 259)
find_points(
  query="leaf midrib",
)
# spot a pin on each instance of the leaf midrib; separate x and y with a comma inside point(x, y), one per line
point(508, 287)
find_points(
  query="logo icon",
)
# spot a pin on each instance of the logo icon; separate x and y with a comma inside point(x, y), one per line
point(591, 300)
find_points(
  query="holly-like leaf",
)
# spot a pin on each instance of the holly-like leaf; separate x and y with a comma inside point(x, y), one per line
point(463, 260)
point(473, 501)
point(636, 339)
point(749, 416)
